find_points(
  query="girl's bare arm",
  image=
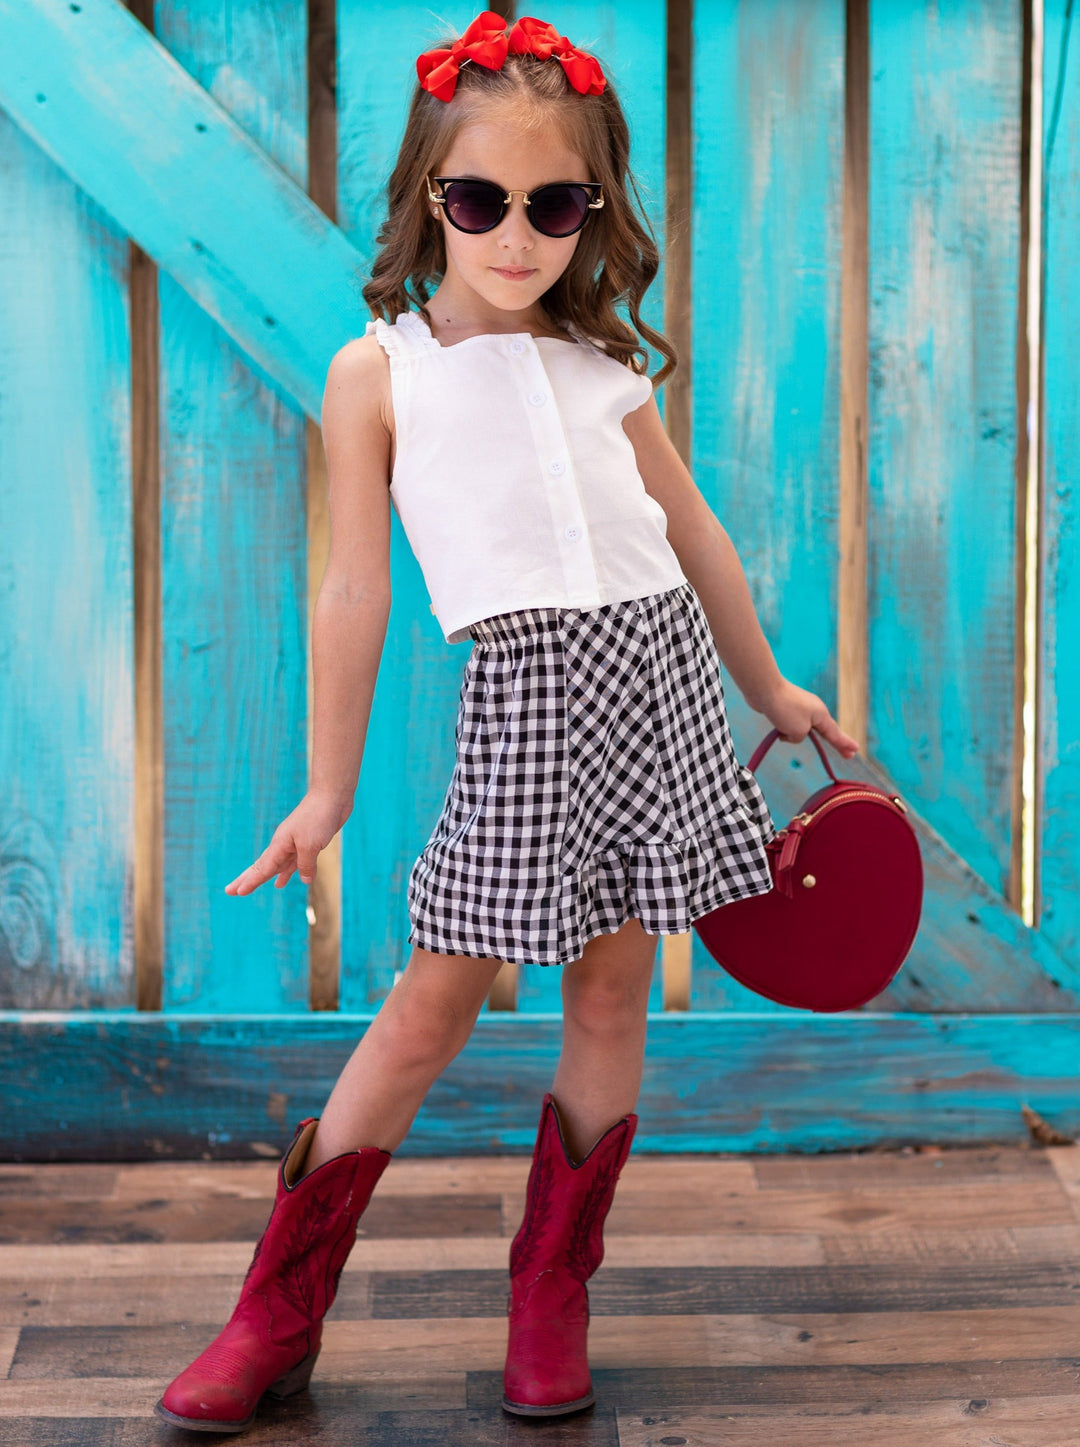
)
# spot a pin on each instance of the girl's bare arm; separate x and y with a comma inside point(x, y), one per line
point(708, 558)
point(350, 615)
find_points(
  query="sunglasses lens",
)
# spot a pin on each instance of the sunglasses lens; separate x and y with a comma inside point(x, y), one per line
point(558, 210)
point(473, 205)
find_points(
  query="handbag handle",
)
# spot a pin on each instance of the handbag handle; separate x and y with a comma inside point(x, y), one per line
point(771, 737)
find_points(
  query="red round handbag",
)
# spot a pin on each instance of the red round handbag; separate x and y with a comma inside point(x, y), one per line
point(845, 903)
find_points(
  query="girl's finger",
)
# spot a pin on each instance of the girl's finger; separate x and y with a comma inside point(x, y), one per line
point(832, 731)
point(265, 867)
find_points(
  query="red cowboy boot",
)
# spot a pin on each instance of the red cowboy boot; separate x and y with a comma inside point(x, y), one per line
point(275, 1332)
point(558, 1246)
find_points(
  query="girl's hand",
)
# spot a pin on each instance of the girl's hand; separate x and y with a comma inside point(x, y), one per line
point(794, 712)
point(297, 844)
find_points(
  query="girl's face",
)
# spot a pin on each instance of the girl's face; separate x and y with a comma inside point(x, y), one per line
point(494, 150)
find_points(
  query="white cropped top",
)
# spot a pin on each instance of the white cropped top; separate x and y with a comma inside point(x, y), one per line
point(513, 478)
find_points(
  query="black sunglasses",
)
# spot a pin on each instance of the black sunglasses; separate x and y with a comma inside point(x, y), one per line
point(558, 209)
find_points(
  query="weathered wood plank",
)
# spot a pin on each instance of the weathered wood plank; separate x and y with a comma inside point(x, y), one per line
point(768, 124)
point(848, 1211)
point(333, 1413)
point(158, 1295)
point(945, 110)
point(234, 587)
point(124, 1086)
point(181, 177)
point(107, 1397)
point(444, 1179)
point(931, 1166)
point(967, 1420)
point(922, 1246)
point(825, 1389)
point(71, 1261)
point(153, 1298)
point(67, 723)
point(681, 1291)
point(969, 1334)
point(1058, 761)
point(410, 730)
point(157, 1219)
point(84, 1182)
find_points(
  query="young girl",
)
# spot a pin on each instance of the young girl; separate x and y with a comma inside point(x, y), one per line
point(595, 801)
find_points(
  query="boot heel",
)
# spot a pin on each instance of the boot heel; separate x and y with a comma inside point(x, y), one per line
point(296, 1379)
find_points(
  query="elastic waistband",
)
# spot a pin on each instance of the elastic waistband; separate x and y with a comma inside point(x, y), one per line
point(526, 623)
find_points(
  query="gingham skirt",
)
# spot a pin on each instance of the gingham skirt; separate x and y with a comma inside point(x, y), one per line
point(594, 780)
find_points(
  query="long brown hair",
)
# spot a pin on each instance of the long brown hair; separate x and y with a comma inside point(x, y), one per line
point(616, 257)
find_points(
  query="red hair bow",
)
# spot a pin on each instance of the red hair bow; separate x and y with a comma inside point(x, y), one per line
point(486, 42)
point(537, 37)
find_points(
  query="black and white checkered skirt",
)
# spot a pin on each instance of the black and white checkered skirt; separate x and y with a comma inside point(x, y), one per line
point(594, 780)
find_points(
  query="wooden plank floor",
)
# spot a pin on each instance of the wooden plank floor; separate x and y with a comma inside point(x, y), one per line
point(894, 1298)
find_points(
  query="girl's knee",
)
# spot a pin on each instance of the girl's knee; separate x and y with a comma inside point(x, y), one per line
point(431, 1016)
point(605, 1003)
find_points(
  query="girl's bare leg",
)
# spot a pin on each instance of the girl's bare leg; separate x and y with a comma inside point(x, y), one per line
point(421, 1025)
point(605, 1003)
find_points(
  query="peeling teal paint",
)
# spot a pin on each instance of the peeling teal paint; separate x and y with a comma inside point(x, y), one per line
point(768, 108)
point(1059, 753)
point(233, 456)
point(945, 109)
point(714, 1081)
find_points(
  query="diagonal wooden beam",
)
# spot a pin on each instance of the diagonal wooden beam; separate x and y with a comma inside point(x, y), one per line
point(130, 126)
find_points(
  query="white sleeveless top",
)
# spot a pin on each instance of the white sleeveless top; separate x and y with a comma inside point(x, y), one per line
point(513, 478)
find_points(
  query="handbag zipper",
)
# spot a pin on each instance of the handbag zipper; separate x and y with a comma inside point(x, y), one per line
point(805, 818)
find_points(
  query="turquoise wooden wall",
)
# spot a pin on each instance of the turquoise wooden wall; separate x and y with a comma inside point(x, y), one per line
point(190, 139)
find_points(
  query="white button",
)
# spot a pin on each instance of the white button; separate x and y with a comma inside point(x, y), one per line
point(517, 348)
point(572, 532)
point(538, 398)
point(557, 467)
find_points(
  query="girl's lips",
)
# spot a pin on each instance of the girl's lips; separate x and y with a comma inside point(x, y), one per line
point(513, 275)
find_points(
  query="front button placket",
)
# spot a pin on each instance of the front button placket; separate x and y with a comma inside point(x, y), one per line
point(556, 466)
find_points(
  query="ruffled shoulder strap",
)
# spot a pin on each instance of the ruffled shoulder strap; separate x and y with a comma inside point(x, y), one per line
point(399, 341)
